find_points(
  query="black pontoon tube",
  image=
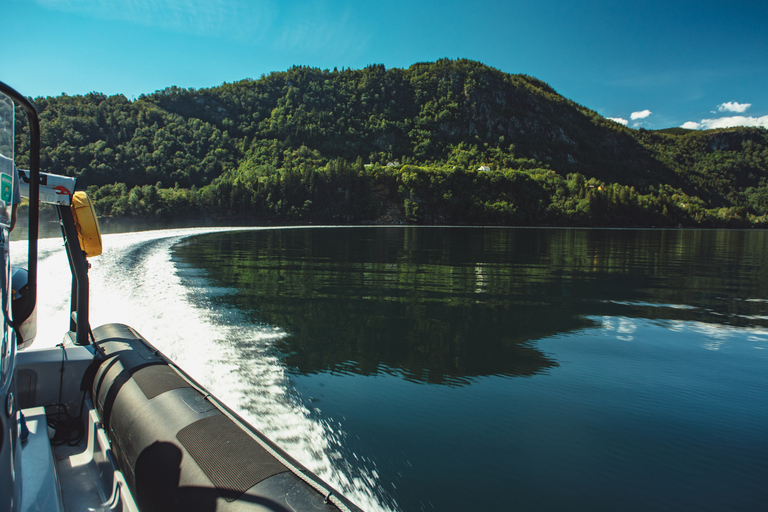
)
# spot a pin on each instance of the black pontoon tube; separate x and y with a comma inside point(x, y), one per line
point(179, 448)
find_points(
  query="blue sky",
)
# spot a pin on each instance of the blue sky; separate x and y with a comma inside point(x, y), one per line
point(648, 64)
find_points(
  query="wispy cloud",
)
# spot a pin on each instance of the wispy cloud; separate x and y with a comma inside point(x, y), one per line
point(640, 115)
point(727, 122)
point(309, 29)
point(198, 17)
point(732, 106)
point(320, 29)
point(619, 120)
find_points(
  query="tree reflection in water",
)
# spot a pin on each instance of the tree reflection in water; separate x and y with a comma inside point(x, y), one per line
point(446, 305)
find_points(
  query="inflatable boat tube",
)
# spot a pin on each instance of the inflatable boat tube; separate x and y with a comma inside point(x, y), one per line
point(181, 449)
point(87, 224)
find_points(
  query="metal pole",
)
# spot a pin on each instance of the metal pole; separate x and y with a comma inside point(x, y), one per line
point(80, 285)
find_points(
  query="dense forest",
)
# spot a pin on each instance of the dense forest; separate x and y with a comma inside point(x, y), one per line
point(449, 142)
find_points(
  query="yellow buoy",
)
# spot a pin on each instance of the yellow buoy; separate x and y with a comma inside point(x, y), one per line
point(87, 224)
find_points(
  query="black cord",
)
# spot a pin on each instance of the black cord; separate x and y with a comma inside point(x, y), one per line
point(4, 283)
point(68, 429)
point(61, 371)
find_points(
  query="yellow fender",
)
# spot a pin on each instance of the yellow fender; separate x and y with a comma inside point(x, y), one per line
point(87, 224)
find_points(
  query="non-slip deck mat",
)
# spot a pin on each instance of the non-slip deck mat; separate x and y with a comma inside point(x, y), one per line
point(156, 379)
point(231, 459)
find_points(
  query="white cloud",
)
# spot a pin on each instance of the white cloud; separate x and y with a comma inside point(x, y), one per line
point(727, 122)
point(619, 120)
point(640, 115)
point(732, 106)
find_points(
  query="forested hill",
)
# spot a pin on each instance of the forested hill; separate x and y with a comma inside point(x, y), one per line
point(397, 145)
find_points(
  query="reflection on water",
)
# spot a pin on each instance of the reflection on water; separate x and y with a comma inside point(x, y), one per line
point(642, 355)
point(444, 305)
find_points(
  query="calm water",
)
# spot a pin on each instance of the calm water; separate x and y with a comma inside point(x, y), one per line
point(510, 369)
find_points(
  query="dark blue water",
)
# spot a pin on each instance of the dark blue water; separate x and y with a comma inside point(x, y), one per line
point(517, 369)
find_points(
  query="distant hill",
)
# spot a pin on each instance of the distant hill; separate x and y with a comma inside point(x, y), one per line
point(273, 149)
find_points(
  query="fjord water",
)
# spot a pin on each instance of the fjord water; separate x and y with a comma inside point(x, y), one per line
point(466, 368)
point(501, 369)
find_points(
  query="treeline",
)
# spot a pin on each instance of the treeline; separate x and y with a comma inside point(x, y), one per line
point(344, 193)
point(397, 145)
point(725, 167)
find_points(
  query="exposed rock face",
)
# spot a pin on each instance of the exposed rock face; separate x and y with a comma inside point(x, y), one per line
point(729, 140)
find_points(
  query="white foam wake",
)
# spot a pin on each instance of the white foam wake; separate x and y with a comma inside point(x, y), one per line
point(135, 282)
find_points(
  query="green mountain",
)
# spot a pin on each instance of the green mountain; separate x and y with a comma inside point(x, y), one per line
point(378, 145)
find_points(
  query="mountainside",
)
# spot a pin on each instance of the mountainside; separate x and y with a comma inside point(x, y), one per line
point(422, 113)
point(224, 147)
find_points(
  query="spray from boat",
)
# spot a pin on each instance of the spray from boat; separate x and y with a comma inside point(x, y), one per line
point(136, 282)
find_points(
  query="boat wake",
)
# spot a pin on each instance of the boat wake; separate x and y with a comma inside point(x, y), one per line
point(136, 282)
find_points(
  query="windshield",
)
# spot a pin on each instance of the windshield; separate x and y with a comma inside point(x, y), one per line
point(6, 159)
point(7, 176)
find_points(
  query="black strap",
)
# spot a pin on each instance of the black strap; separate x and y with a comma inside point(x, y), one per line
point(90, 372)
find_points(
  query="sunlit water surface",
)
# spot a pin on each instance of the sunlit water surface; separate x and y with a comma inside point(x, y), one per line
point(467, 369)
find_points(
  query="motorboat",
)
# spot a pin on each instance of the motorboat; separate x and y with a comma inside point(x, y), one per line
point(103, 421)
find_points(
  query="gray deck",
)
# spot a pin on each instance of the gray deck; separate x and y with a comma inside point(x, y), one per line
point(71, 478)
